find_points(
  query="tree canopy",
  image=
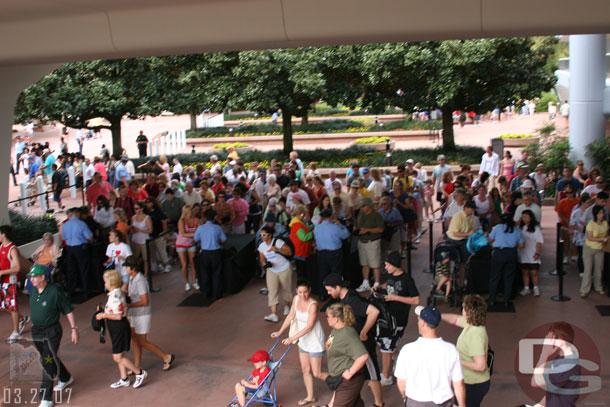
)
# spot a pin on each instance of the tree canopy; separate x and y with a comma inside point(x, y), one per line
point(464, 75)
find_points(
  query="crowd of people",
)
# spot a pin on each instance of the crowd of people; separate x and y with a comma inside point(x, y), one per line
point(176, 210)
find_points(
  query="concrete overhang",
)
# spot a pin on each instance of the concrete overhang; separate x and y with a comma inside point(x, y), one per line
point(43, 31)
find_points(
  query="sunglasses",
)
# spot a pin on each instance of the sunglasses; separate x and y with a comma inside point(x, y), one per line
point(264, 234)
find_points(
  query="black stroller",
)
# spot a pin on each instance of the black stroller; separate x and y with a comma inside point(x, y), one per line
point(455, 295)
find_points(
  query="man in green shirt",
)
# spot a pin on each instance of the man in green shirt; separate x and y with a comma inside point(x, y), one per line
point(46, 303)
point(172, 207)
point(369, 224)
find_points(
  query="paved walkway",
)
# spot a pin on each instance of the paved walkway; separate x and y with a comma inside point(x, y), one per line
point(212, 344)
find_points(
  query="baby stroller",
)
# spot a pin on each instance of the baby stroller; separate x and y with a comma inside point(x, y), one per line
point(455, 297)
point(266, 392)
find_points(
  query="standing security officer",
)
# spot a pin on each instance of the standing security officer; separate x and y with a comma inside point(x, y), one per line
point(76, 234)
point(46, 303)
point(329, 237)
point(211, 238)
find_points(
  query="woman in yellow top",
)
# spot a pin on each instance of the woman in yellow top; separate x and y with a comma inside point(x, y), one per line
point(472, 344)
point(593, 253)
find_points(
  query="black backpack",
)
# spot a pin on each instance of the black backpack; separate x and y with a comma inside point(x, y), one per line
point(288, 242)
point(386, 322)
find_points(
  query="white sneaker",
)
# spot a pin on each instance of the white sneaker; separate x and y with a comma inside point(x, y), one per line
point(187, 287)
point(565, 260)
point(536, 291)
point(365, 286)
point(46, 403)
point(120, 383)
point(574, 259)
point(286, 310)
point(23, 323)
point(272, 318)
point(62, 385)
point(15, 336)
point(525, 291)
point(417, 240)
point(581, 275)
point(168, 268)
point(386, 381)
point(140, 378)
point(196, 285)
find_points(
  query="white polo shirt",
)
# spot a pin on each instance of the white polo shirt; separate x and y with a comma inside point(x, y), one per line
point(429, 366)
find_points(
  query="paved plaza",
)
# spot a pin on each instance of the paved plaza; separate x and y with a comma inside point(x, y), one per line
point(212, 344)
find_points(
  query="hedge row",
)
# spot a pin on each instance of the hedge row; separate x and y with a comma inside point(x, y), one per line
point(330, 126)
point(319, 113)
point(29, 228)
point(338, 158)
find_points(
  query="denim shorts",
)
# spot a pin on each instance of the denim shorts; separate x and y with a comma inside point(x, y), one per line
point(312, 354)
point(186, 249)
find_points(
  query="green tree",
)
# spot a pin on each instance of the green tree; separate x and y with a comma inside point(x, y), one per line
point(198, 81)
point(79, 91)
point(463, 75)
point(286, 79)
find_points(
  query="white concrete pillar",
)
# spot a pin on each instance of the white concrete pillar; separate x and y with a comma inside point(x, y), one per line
point(72, 181)
point(41, 187)
point(23, 187)
point(183, 134)
point(13, 79)
point(150, 149)
point(163, 149)
point(587, 83)
point(157, 149)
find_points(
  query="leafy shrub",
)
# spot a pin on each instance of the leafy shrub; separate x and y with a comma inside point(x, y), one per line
point(337, 158)
point(542, 103)
point(372, 140)
point(29, 228)
point(599, 151)
point(228, 145)
point(516, 136)
point(546, 130)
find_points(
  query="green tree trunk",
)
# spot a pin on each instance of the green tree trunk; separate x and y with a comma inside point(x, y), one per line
point(193, 117)
point(115, 128)
point(287, 130)
point(448, 139)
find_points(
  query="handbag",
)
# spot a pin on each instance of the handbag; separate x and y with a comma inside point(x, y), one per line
point(490, 360)
point(334, 382)
point(294, 328)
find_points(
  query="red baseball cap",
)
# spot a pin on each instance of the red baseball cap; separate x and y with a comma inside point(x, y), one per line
point(259, 356)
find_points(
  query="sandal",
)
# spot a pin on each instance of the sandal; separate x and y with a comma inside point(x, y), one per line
point(168, 365)
point(305, 402)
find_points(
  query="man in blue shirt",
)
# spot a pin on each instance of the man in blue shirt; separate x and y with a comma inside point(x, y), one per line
point(33, 168)
point(390, 240)
point(76, 234)
point(329, 238)
point(210, 238)
point(122, 175)
point(19, 147)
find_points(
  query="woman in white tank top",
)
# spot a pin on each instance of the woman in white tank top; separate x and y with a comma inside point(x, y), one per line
point(310, 337)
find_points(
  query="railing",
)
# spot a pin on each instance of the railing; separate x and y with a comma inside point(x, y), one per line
point(43, 192)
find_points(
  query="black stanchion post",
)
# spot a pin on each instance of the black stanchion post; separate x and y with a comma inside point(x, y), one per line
point(409, 246)
point(431, 248)
point(560, 272)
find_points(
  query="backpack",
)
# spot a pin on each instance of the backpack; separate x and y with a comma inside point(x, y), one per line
point(288, 242)
point(490, 360)
point(386, 322)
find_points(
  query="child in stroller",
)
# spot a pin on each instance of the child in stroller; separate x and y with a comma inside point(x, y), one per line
point(261, 370)
point(442, 275)
point(446, 266)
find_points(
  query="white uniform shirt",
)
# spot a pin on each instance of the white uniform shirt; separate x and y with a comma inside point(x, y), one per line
point(429, 366)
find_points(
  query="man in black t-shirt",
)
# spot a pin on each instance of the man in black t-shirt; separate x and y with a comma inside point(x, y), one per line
point(401, 294)
point(366, 314)
point(57, 181)
point(142, 142)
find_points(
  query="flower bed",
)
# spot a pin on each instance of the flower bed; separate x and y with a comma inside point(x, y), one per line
point(239, 147)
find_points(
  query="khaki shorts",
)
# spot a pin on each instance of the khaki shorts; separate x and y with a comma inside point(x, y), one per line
point(369, 253)
point(279, 284)
point(140, 324)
